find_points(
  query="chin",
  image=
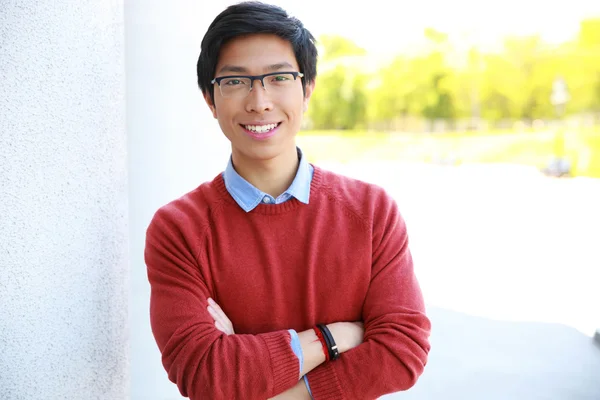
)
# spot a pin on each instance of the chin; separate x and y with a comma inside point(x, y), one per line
point(263, 151)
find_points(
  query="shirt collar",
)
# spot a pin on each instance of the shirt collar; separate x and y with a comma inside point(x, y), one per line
point(248, 196)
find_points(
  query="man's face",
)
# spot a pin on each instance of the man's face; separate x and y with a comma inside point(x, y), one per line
point(262, 124)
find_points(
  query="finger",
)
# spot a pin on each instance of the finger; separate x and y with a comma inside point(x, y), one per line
point(225, 319)
point(219, 315)
point(214, 304)
point(226, 323)
point(216, 315)
point(221, 328)
point(216, 308)
point(213, 313)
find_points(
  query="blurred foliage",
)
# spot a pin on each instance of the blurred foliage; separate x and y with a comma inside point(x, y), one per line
point(534, 149)
point(514, 83)
point(332, 47)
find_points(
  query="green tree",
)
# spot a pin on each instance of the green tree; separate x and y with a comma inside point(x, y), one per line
point(441, 105)
point(421, 86)
point(340, 100)
point(438, 93)
point(588, 45)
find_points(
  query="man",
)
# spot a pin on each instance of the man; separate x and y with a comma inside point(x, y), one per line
point(275, 246)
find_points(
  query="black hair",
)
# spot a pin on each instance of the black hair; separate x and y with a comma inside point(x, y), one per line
point(254, 17)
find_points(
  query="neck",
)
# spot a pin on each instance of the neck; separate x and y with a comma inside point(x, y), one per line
point(272, 176)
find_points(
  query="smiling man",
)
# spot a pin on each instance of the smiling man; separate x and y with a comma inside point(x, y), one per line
point(279, 279)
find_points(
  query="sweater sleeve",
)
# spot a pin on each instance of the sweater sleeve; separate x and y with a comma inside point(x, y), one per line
point(396, 342)
point(201, 360)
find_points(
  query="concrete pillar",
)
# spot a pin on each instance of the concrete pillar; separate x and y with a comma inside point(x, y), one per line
point(174, 145)
point(63, 201)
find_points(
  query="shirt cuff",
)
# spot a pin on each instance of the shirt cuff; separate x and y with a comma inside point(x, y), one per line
point(297, 348)
point(308, 386)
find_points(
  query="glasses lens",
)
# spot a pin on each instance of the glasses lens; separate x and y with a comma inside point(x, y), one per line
point(279, 82)
point(235, 86)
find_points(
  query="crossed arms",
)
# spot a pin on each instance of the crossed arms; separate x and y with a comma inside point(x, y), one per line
point(347, 336)
point(207, 363)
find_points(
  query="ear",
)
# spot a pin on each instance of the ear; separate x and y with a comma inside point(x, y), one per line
point(210, 104)
point(308, 91)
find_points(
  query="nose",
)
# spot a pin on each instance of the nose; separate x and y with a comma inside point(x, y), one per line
point(258, 99)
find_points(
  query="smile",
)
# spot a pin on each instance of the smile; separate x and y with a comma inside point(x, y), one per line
point(261, 128)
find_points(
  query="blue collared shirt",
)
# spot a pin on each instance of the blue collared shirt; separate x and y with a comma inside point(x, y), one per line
point(248, 197)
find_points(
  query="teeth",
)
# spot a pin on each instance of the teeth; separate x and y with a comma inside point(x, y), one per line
point(260, 128)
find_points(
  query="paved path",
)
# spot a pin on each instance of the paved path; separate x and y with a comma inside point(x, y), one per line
point(475, 358)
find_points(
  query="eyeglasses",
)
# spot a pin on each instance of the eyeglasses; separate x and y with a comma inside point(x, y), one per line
point(241, 85)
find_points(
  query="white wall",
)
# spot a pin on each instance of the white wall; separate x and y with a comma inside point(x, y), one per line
point(174, 145)
point(77, 192)
point(63, 201)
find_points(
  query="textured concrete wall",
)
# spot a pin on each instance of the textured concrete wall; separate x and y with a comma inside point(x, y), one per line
point(63, 201)
point(174, 145)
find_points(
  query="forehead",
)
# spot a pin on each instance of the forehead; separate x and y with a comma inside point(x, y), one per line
point(255, 53)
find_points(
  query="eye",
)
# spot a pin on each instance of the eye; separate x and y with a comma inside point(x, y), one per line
point(281, 78)
point(233, 82)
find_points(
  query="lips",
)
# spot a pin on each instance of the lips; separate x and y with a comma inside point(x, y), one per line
point(261, 131)
point(260, 128)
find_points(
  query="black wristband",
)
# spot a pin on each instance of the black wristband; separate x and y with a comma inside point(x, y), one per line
point(332, 348)
point(327, 337)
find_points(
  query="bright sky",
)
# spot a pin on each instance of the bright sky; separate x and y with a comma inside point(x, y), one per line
point(383, 25)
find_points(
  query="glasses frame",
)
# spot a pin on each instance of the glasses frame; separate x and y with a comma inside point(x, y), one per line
point(253, 78)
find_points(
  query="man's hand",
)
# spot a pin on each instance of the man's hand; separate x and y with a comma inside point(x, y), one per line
point(222, 322)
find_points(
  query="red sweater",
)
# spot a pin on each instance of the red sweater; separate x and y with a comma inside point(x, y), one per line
point(343, 257)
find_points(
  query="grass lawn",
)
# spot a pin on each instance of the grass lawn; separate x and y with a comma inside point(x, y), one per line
point(581, 147)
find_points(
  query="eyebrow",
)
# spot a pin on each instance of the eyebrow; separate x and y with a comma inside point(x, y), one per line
point(244, 70)
point(278, 66)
